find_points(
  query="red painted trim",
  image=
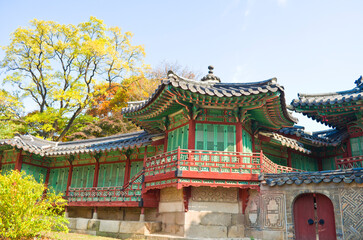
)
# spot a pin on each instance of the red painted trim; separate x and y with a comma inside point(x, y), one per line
point(239, 144)
point(187, 193)
point(160, 177)
point(104, 204)
point(191, 135)
point(158, 142)
point(264, 139)
point(358, 134)
point(1, 160)
point(172, 129)
point(213, 122)
point(69, 180)
point(36, 165)
point(19, 160)
point(59, 167)
point(222, 176)
point(113, 162)
point(137, 160)
point(82, 165)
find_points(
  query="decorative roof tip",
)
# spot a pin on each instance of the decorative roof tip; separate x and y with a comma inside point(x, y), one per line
point(210, 76)
point(359, 82)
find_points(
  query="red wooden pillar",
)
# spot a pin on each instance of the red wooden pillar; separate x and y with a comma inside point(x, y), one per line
point(166, 141)
point(239, 146)
point(349, 149)
point(69, 181)
point(127, 169)
point(1, 159)
point(320, 164)
point(19, 160)
point(47, 178)
point(191, 134)
point(97, 170)
point(289, 163)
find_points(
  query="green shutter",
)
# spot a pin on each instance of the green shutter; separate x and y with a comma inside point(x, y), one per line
point(178, 138)
point(357, 146)
point(135, 168)
point(83, 176)
point(58, 178)
point(38, 173)
point(199, 136)
point(303, 162)
point(111, 175)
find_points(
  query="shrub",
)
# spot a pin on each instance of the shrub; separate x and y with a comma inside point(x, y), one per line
point(25, 212)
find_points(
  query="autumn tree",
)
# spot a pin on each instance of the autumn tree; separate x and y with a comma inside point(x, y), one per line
point(58, 66)
point(107, 105)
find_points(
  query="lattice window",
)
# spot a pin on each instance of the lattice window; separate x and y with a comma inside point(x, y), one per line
point(111, 175)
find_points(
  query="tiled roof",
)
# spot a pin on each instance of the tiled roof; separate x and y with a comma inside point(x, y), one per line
point(288, 142)
point(212, 88)
point(335, 176)
point(331, 137)
point(48, 148)
point(330, 98)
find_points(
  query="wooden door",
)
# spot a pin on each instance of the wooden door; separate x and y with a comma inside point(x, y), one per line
point(314, 217)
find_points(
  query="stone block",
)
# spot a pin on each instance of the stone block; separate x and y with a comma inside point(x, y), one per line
point(109, 226)
point(72, 223)
point(168, 218)
point(180, 218)
point(132, 214)
point(132, 227)
point(238, 219)
point(236, 231)
point(208, 218)
point(214, 207)
point(152, 227)
point(82, 223)
point(171, 207)
point(217, 219)
point(200, 231)
point(278, 235)
point(110, 213)
point(93, 224)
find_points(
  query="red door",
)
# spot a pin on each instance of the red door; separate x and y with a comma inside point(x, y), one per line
point(314, 217)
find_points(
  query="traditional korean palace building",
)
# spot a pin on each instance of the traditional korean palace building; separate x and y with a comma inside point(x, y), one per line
point(213, 160)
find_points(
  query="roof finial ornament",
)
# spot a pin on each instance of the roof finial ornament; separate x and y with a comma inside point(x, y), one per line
point(359, 82)
point(210, 76)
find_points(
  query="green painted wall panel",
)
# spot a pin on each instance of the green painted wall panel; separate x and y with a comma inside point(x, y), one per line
point(329, 163)
point(357, 146)
point(83, 176)
point(111, 175)
point(136, 167)
point(303, 162)
point(58, 178)
point(38, 173)
point(178, 138)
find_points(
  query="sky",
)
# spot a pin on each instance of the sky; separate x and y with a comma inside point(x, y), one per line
point(309, 46)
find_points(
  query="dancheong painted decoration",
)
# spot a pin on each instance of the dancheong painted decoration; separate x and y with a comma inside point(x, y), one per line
point(213, 159)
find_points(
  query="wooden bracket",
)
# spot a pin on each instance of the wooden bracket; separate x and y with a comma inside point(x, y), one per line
point(196, 111)
point(187, 193)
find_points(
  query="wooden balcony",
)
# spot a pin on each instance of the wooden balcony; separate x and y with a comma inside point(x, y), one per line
point(128, 195)
point(180, 168)
point(211, 168)
point(349, 162)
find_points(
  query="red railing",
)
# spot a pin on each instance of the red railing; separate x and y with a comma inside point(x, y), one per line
point(131, 192)
point(349, 162)
point(212, 161)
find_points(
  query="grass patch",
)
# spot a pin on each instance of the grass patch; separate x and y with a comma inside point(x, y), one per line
point(75, 236)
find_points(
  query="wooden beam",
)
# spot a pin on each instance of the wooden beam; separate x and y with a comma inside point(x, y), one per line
point(127, 169)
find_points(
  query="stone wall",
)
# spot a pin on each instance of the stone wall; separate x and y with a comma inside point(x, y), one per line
point(269, 214)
